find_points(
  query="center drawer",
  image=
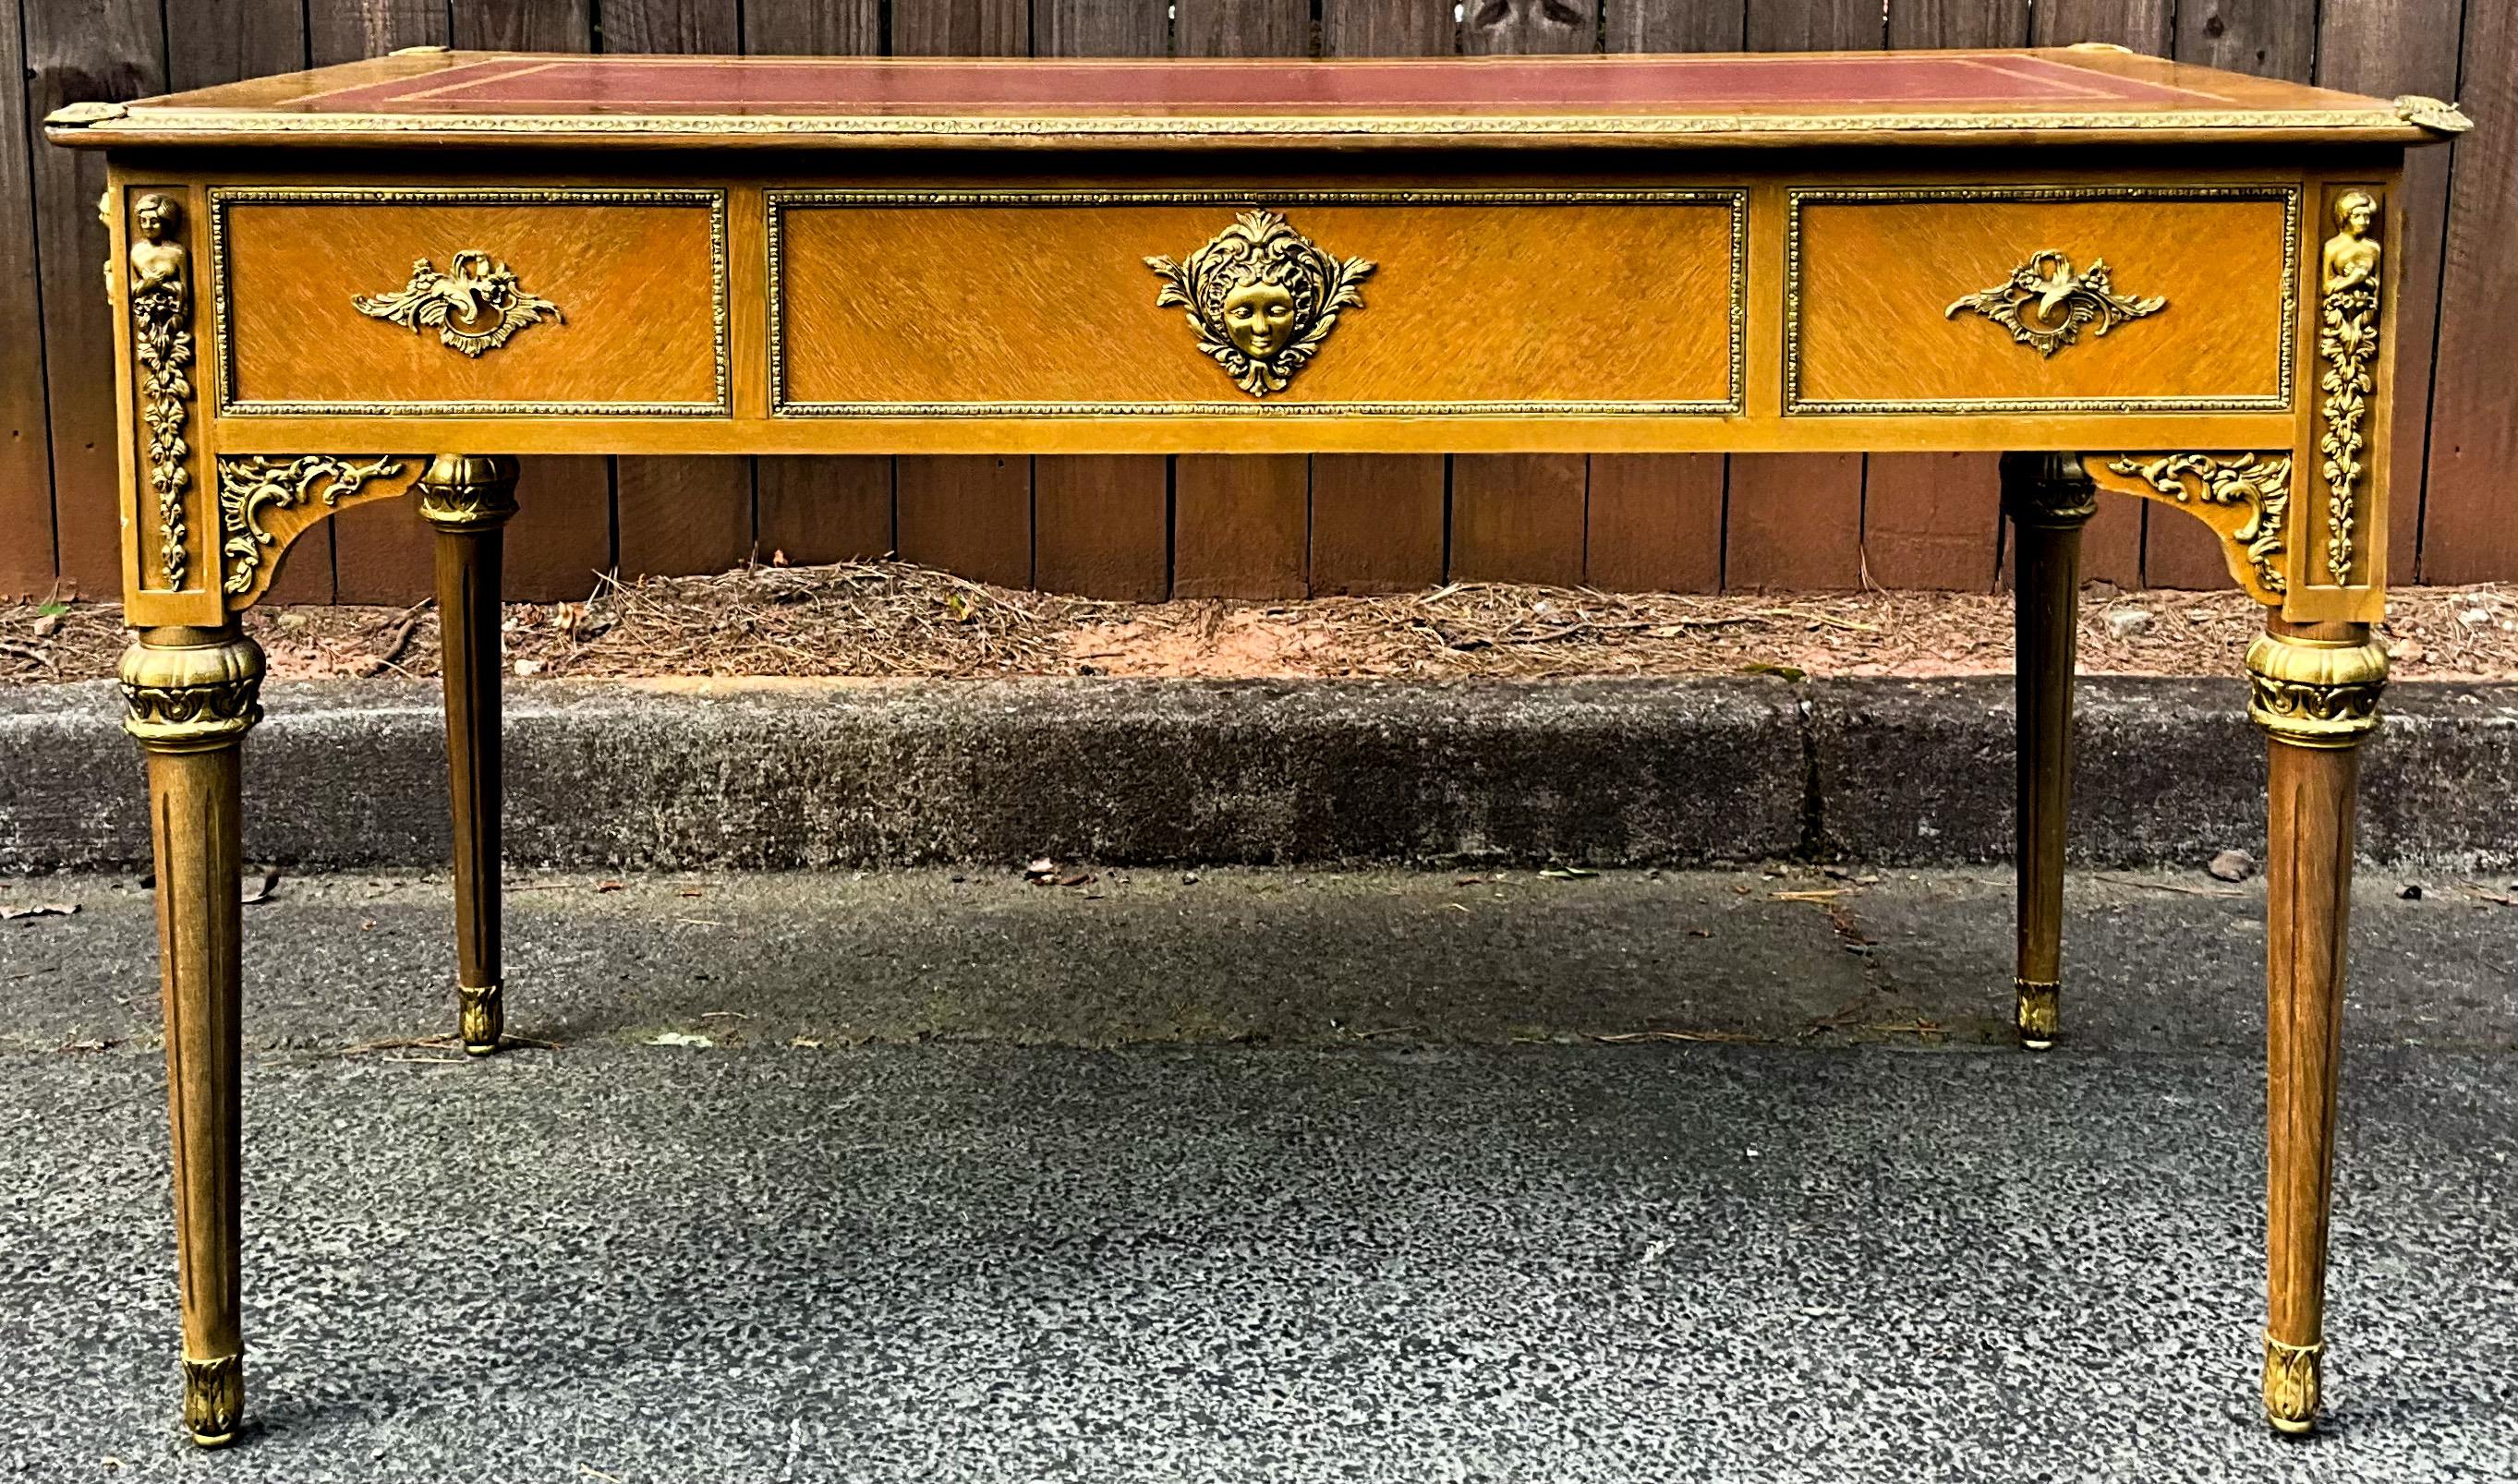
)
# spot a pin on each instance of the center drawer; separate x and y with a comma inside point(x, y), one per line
point(1151, 302)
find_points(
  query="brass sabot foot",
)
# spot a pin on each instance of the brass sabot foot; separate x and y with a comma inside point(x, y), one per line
point(213, 1399)
point(2038, 1013)
point(484, 1017)
point(2292, 1378)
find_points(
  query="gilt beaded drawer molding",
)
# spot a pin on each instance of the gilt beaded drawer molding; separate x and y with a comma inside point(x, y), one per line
point(402, 283)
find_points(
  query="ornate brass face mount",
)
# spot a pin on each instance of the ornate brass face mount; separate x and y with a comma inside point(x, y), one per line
point(2347, 341)
point(1262, 298)
point(2045, 302)
point(162, 308)
point(252, 485)
point(2258, 482)
point(475, 306)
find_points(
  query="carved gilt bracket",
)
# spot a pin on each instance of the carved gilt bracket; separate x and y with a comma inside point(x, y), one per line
point(2245, 498)
point(265, 500)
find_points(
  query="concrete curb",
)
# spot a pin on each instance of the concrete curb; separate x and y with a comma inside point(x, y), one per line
point(1604, 772)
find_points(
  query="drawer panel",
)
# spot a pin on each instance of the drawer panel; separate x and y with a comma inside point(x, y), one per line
point(1044, 303)
point(482, 302)
point(1993, 299)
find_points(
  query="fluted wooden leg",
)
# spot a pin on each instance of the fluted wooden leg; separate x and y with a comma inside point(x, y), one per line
point(191, 696)
point(2315, 691)
point(468, 498)
point(2048, 498)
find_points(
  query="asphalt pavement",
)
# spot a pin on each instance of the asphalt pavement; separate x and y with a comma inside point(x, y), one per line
point(1264, 1175)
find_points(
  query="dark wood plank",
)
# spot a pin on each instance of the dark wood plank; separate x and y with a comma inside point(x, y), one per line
point(1764, 549)
point(345, 30)
point(1377, 522)
point(1518, 518)
point(679, 515)
point(969, 514)
point(2468, 534)
point(1515, 517)
point(682, 515)
point(2388, 47)
point(951, 512)
point(2142, 24)
point(2273, 38)
point(562, 534)
point(523, 26)
point(1793, 521)
point(25, 446)
point(813, 29)
point(1388, 28)
point(82, 50)
point(961, 27)
point(1100, 28)
point(1492, 27)
point(1677, 25)
point(1958, 23)
point(1102, 528)
point(385, 553)
point(1654, 523)
point(1242, 29)
point(811, 510)
point(1932, 521)
point(1239, 526)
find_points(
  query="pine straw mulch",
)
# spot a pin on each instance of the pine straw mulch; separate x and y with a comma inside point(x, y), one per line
point(894, 619)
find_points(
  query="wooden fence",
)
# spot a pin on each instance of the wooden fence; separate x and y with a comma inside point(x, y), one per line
point(1148, 526)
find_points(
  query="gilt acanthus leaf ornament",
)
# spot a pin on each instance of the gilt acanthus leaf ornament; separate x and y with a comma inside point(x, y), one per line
point(2046, 302)
point(251, 485)
point(1262, 298)
point(475, 306)
point(2258, 483)
point(2347, 342)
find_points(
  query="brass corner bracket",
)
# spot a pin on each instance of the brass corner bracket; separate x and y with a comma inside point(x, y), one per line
point(2245, 498)
point(2432, 113)
point(253, 484)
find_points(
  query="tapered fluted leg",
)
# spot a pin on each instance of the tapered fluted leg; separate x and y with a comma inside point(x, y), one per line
point(2316, 694)
point(191, 696)
point(468, 498)
point(2048, 498)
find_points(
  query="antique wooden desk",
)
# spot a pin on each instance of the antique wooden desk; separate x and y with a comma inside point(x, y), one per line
point(393, 276)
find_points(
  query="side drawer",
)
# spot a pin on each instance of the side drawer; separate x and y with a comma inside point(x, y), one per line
point(1049, 303)
point(491, 301)
point(2040, 298)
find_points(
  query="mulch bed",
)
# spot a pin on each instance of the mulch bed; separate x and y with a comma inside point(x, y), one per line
point(894, 619)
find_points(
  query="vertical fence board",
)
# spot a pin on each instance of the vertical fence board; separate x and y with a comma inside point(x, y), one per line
point(2111, 543)
point(967, 513)
point(383, 553)
point(812, 509)
point(1655, 522)
point(1102, 528)
point(1100, 28)
point(1244, 27)
point(1378, 520)
point(679, 515)
point(2469, 529)
point(2276, 38)
point(1515, 517)
point(1518, 518)
point(1933, 520)
point(936, 513)
point(1249, 538)
point(81, 50)
point(1795, 520)
point(2389, 47)
point(345, 30)
point(26, 442)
